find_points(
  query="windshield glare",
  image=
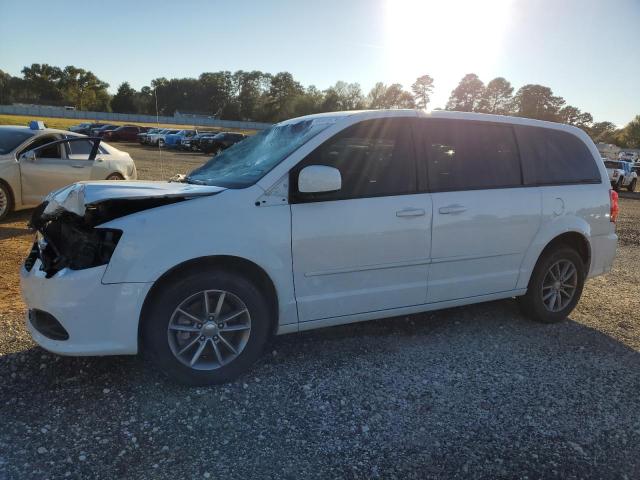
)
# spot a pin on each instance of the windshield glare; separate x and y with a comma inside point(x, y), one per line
point(246, 162)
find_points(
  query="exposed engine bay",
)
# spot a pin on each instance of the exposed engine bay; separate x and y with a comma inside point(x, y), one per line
point(67, 222)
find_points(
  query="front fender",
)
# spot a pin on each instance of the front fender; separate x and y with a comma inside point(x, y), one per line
point(157, 240)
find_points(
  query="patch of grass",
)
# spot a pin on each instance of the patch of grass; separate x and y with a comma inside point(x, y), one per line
point(65, 123)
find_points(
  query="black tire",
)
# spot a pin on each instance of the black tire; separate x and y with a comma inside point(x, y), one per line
point(115, 176)
point(632, 185)
point(532, 305)
point(165, 301)
point(618, 185)
point(6, 200)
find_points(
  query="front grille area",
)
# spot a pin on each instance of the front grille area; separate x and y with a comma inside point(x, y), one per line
point(47, 325)
point(32, 257)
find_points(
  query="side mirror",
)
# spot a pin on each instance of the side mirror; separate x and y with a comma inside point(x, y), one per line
point(318, 179)
point(29, 156)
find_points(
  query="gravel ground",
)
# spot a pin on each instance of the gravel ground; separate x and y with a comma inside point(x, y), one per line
point(472, 392)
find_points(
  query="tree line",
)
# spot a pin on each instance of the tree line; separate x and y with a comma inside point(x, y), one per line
point(266, 97)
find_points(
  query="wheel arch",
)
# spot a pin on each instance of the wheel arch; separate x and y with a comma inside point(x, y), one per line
point(574, 239)
point(225, 262)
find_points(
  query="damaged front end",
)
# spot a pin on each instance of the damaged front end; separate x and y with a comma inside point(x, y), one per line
point(67, 240)
point(67, 222)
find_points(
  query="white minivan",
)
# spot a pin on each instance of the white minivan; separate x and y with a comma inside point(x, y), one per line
point(318, 221)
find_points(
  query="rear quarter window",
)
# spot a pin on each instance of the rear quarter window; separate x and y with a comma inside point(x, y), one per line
point(554, 157)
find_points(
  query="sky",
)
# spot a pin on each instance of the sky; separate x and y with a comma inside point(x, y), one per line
point(587, 51)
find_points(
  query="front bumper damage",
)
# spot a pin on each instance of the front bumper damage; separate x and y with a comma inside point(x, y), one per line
point(70, 310)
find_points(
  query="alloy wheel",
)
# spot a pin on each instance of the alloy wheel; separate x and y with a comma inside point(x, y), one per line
point(209, 329)
point(559, 285)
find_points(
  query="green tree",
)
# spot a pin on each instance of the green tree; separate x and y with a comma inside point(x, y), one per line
point(392, 96)
point(537, 101)
point(630, 134)
point(282, 96)
point(497, 97)
point(83, 89)
point(422, 89)
point(602, 132)
point(124, 101)
point(343, 96)
point(42, 84)
point(467, 95)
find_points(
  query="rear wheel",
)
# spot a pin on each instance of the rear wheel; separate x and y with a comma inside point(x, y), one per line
point(6, 201)
point(555, 286)
point(115, 176)
point(206, 328)
point(632, 185)
point(618, 185)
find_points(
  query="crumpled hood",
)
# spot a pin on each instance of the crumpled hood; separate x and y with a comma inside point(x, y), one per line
point(76, 197)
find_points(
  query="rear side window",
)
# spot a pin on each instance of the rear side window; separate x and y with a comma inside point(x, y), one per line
point(554, 157)
point(82, 147)
point(375, 158)
point(463, 155)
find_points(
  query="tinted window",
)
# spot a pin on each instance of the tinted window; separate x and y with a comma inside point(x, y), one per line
point(10, 139)
point(49, 152)
point(469, 155)
point(553, 157)
point(610, 164)
point(375, 158)
point(82, 147)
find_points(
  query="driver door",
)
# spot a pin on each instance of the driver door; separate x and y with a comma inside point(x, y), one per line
point(50, 170)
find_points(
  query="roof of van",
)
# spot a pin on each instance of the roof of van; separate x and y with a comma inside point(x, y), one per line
point(485, 117)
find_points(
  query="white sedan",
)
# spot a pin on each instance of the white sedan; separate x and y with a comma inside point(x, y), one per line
point(35, 161)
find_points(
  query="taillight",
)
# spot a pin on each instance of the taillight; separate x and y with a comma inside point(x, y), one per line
point(614, 205)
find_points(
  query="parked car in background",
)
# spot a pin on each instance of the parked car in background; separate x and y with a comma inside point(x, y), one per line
point(628, 156)
point(161, 140)
point(125, 133)
point(220, 142)
point(86, 128)
point(621, 175)
point(142, 136)
point(194, 142)
point(320, 221)
point(174, 140)
point(36, 160)
point(99, 132)
point(152, 138)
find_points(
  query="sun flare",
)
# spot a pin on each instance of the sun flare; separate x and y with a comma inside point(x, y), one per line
point(445, 38)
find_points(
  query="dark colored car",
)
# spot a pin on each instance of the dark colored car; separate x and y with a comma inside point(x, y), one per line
point(86, 128)
point(126, 133)
point(194, 142)
point(99, 132)
point(220, 142)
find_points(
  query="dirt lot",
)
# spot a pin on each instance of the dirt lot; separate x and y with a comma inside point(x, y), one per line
point(473, 392)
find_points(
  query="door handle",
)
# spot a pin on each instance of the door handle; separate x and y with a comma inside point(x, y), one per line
point(456, 208)
point(410, 212)
point(77, 166)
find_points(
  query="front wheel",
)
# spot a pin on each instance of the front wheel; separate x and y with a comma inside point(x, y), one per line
point(632, 185)
point(115, 176)
point(618, 185)
point(206, 328)
point(555, 286)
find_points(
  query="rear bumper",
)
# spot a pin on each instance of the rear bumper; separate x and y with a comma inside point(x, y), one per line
point(603, 252)
point(100, 319)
